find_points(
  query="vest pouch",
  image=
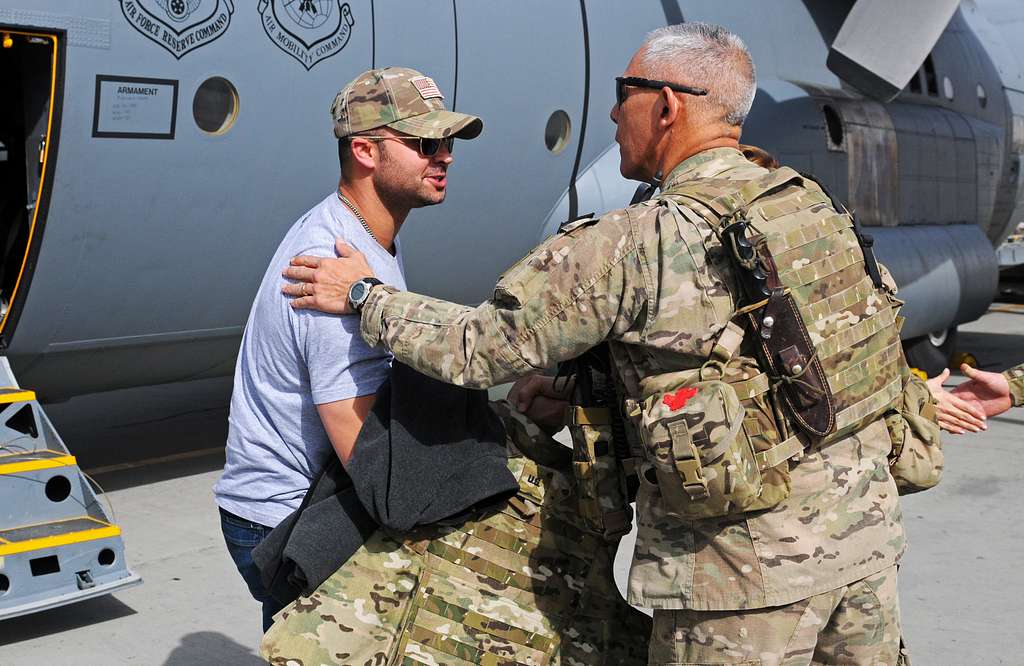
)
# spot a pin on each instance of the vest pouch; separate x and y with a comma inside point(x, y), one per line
point(698, 453)
point(600, 485)
point(771, 451)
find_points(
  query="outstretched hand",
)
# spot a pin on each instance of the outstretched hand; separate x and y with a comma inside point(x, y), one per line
point(322, 283)
point(956, 415)
point(987, 391)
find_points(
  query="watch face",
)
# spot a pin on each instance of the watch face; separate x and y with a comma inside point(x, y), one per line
point(358, 292)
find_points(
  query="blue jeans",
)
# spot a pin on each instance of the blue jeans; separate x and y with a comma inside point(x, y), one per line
point(241, 536)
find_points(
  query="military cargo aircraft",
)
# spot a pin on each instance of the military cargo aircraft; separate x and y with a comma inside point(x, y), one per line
point(153, 153)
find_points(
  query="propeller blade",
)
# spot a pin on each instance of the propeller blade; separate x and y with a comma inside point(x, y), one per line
point(883, 42)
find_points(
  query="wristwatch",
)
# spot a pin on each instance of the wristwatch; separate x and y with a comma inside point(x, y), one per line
point(358, 292)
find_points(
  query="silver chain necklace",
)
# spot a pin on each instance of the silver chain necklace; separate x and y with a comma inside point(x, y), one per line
point(359, 216)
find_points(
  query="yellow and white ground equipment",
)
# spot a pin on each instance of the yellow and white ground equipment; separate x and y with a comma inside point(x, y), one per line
point(58, 544)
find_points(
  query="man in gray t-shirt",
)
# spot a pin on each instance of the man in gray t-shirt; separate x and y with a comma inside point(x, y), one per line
point(288, 365)
point(305, 381)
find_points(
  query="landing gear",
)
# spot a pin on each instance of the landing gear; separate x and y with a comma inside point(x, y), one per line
point(931, 353)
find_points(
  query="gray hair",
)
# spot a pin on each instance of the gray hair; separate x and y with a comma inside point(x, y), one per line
point(706, 56)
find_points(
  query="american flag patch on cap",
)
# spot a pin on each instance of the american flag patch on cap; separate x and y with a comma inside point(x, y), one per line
point(428, 89)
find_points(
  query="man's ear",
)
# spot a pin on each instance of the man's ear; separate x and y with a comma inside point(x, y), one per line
point(363, 152)
point(669, 107)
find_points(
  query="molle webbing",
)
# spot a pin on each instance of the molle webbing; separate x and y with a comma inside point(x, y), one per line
point(840, 301)
point(810, 273)
point(432, 610)
point(795, 240)
point(866, 369)
point(873, 404)
point(821, 259)
point(845, 339)
point(450, 634)
point(526, 553)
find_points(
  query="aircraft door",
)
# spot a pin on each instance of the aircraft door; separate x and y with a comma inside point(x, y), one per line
point(28, 63)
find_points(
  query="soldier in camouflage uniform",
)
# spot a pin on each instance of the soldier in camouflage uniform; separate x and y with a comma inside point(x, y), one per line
point(811, 578)
point(521, 583)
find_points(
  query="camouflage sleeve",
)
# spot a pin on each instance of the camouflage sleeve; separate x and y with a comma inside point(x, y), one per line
point(1015, 376)
point(916, 459)
point(567, 295)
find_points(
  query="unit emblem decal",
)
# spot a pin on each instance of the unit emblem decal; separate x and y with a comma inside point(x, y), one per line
point(307, 30)
point(180, 26)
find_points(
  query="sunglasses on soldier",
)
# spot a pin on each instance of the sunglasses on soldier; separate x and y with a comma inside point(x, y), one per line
point(427, 147)
point(637, 82)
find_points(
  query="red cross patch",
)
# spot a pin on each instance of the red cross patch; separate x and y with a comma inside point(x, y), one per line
point(679, 399)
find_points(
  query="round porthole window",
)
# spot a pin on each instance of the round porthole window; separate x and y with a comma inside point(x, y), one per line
point(982, 96)
point(947, 87)
point(215, 106)
point(557, 131)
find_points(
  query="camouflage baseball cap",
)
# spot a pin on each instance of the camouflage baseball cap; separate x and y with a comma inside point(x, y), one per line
point(404, 100)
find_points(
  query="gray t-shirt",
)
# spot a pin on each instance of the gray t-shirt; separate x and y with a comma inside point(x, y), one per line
point(289, 362)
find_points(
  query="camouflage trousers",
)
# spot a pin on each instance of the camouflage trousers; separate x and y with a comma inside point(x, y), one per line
point(855, 624)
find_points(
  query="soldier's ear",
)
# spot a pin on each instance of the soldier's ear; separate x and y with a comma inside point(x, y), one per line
point(670, 107)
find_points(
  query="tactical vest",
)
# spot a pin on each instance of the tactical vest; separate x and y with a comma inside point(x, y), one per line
point(811, 355)
point(524, 583)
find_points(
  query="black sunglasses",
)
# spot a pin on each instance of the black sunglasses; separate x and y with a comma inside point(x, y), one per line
point(428, 147)
point(622, 81)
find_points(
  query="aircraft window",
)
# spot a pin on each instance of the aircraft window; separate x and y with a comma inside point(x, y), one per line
point(557, 131)
point(947, 87)
point(915, 83)
point(215, 106)
point(834, 128)
point(929, 75)
point(982, 96)
point(5, 584)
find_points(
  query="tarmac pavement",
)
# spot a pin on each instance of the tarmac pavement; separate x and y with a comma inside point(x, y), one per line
point(961, 580)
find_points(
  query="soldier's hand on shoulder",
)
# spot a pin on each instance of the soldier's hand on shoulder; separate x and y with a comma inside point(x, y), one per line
point(323, 283)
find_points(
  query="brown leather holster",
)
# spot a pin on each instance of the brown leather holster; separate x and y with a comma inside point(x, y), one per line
point(781, 337)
